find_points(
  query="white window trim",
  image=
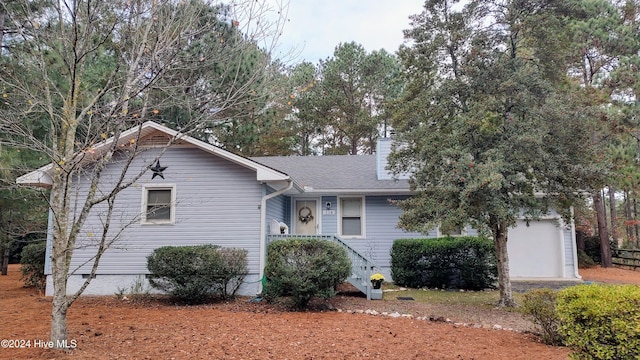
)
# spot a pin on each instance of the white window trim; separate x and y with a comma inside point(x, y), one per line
point(363, 218)
point(145, 196)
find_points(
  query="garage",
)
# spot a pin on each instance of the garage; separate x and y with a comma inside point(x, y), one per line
point(535, 249)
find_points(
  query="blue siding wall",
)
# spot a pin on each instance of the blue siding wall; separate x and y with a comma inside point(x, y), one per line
point(217, 202)
point(569, 250)
point(381, 220)
point(329, 221)
point(383, 149)
point(277, 209)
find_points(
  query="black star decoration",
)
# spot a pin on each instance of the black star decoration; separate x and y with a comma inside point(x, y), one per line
point(157, 170)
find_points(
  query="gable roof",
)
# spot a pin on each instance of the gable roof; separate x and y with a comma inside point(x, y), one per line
point(42, 177)
point(311, 174)
point(335, 173)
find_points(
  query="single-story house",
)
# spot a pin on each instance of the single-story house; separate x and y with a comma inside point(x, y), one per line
point(208, 195)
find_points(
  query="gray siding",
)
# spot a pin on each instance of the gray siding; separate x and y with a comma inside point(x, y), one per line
point(276, 209)
point(381, 220)
point(383, 149)
point(329, 222)
point(471, 231)
point(217, 202)
point(569, 250)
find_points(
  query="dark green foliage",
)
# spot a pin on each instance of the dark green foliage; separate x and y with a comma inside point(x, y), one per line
point(463, 262)
point(32, 260)
point(601, 321)
point(592, 248)
point(354, 91)
point(20, 242)
point(584, 260)
point(304, 269)
point(192, 274)
point(490, 127)
point(540, 305)
point(23, 211)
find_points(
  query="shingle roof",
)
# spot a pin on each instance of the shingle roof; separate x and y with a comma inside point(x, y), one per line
point(42, 176)
point(346, 173)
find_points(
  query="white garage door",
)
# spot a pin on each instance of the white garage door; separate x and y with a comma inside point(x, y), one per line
point(535, 251)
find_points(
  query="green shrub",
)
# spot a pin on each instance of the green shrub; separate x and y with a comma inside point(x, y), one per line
point(540, 305)
point(584, 260)
point(303, 269)
point(592, 248)
point(32, 260)
point(462, 262)
point(601, 321)
point(194, 273)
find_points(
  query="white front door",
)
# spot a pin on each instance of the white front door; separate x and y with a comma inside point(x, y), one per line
point(306, 217)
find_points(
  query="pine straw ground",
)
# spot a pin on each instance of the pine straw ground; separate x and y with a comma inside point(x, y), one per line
point(108, 328)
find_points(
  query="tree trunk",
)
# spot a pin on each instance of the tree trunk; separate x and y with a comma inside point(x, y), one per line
point(59, 308)
point(504, 281)
point(629, 217)
point(2, 17)
point(5, 259)
point(580, 240)
point(61, 251)
point(4, 244)
point(612, 214)
point(60, 301)
point(604, 206)
point(603, 233)
point(635, 216)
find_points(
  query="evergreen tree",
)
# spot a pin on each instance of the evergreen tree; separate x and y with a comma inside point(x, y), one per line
point(601, 55)
point(489, 128)
point(355, 87)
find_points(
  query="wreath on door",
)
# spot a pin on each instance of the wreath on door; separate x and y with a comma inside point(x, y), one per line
point(304, 215)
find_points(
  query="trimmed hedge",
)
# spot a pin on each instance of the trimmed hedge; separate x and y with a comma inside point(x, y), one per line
point(461, 262)
point(601, 321)
point(303, 269)
point(32, 259)
point(192, 274)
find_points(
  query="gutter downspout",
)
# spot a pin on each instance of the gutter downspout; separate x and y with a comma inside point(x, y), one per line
point(263, 225)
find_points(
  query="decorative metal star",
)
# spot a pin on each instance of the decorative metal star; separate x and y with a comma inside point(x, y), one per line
point(157, 170)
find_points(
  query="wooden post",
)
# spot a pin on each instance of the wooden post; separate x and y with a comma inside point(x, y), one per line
point(5, 259)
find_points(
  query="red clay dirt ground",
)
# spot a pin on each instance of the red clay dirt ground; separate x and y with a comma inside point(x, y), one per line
point(107, 328)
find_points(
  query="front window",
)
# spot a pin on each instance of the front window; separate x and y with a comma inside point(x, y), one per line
point(351, 216)
point(457, 231)
point(158, 205)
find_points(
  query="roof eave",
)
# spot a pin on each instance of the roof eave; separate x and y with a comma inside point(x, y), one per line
point(39, 178)
point(42, 176)
point(310, 190)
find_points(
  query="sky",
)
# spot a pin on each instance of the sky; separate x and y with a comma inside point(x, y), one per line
point(315, 28)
